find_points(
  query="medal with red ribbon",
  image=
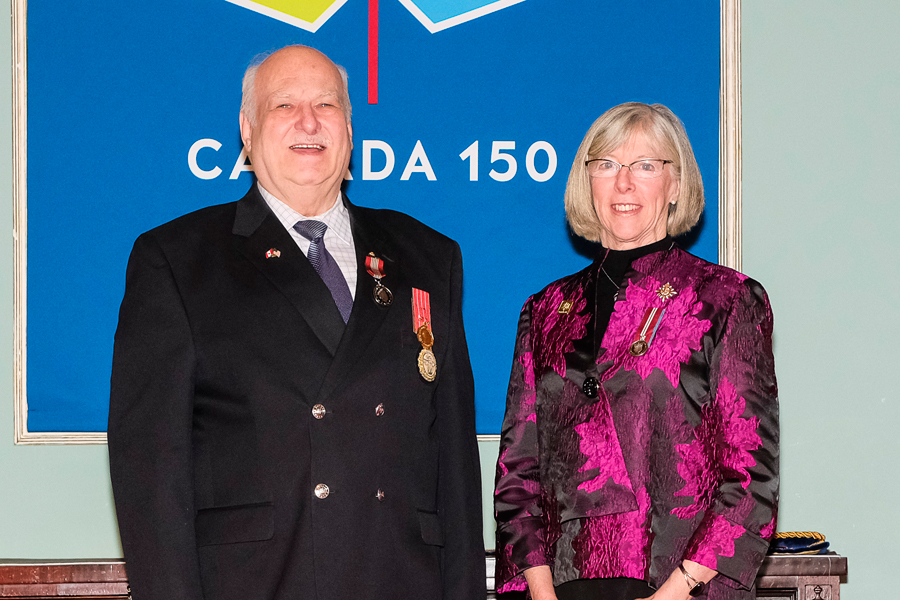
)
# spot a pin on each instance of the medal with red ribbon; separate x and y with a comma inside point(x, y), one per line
point(381, 294)
point(647, 329)
point(421, 309)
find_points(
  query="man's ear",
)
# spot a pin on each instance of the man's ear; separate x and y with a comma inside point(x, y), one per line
point(246, 131)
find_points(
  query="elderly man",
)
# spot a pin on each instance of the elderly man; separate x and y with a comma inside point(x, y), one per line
point(291, 414)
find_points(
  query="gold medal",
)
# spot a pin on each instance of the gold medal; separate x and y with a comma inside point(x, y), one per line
point(427, 364)
point(427, 361)
point(639, 348)
point(421, 305)
point(424, 336)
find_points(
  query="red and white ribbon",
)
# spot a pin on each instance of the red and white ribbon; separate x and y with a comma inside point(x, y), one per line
point(374, 266)
point(649, 325)
point(421, 308)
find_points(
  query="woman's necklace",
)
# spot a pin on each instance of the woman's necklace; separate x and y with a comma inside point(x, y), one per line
point(618, 287)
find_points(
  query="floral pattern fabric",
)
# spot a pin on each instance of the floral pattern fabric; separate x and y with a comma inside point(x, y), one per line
point(677, 455)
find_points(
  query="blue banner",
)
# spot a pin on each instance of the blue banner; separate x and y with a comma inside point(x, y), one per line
point(468, 121)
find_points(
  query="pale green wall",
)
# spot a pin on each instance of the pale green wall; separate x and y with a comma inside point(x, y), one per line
point(55, 501)
point(821, 220)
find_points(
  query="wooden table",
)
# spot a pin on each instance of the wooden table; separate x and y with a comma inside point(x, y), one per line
point(783, 577)
point(75, 579)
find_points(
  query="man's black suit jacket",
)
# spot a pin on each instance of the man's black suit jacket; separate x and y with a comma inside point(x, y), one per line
point(223, 349)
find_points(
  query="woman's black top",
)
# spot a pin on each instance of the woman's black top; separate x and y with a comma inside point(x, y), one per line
point(613, 264)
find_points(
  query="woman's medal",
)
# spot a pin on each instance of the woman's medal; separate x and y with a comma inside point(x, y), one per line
point(421, 308)
point(647, 329)
point(650, 323)
point(381, 294)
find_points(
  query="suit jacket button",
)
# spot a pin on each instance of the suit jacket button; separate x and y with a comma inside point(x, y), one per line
point(322, 491)
point(380, 495)
point(318, 411)
point(590, 387)
point(379, 410)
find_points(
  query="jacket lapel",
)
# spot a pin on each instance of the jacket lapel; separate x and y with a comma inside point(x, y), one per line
point(290, 272)
point(367, 316)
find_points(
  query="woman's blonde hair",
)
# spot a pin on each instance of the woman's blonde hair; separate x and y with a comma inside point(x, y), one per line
point(615, 127)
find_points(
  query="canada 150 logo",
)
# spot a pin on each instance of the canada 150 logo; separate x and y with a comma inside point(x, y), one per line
point(379, 161)
point(379, 158)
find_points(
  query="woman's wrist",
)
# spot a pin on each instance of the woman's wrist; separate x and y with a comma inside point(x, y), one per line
point(695, 586)
point(696, 576)
point(540, 583)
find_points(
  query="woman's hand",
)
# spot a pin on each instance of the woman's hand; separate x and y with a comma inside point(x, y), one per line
point(676, 586)
point(540, 583)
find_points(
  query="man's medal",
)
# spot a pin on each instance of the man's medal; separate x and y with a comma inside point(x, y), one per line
point(421, 308)
point(381, 294)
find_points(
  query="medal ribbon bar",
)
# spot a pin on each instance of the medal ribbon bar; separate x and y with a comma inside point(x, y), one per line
point(374, 266)
point(649, 324)
point(421, 309)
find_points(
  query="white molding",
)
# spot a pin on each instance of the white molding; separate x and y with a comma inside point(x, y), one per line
point(20, 244)
point(60, 438)
point(730, 245)
point(20, 217)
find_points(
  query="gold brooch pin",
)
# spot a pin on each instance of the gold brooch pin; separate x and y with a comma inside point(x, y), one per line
point(666, 292)
point(565, 307)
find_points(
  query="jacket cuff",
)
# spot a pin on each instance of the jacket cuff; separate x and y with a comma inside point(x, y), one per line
point(521, 544)
point(729, 548)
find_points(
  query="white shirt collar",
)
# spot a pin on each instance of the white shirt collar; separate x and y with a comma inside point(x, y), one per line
point(337, 218)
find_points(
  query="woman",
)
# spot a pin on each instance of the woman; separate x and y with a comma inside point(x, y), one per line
point(639, 452)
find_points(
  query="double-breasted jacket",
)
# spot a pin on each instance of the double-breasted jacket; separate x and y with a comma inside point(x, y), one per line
point(261, 449)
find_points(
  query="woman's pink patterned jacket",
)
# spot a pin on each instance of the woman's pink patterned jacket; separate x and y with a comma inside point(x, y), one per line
point(677, 455)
